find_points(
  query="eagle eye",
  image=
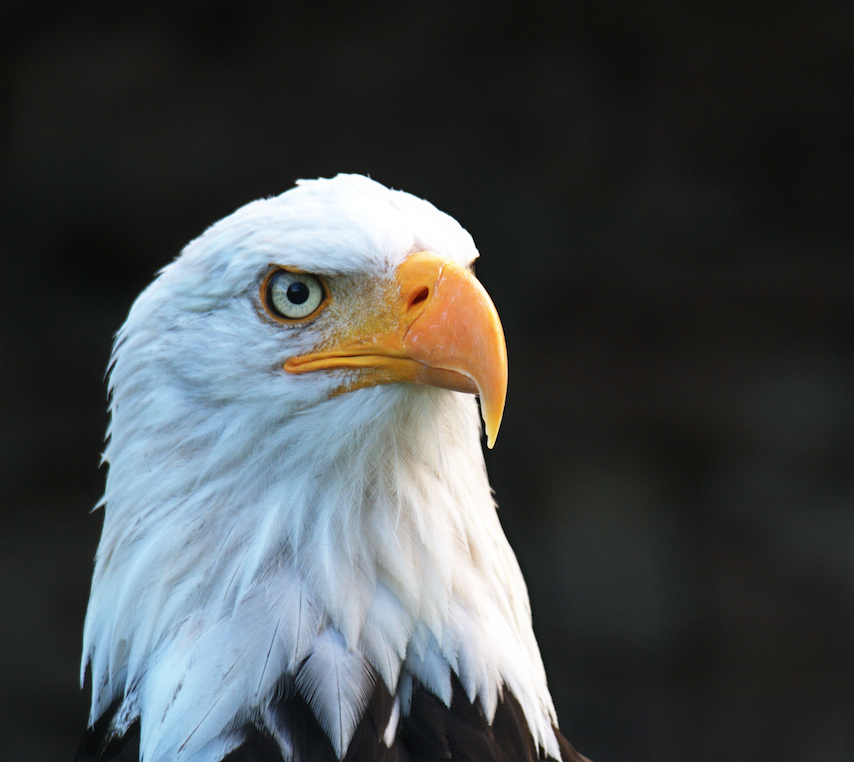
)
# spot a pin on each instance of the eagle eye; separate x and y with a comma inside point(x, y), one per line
point(291, 296)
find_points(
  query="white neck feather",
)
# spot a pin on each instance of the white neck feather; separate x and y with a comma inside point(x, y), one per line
point(219, 570)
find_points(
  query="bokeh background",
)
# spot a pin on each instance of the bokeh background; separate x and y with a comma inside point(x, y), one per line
point(663, 195)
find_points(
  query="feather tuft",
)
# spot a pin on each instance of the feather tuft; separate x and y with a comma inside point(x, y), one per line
point(337, 685)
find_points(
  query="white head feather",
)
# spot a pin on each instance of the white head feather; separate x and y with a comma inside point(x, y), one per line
point(257, 528)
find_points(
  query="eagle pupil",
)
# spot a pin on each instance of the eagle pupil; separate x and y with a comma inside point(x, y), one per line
point(298, 292)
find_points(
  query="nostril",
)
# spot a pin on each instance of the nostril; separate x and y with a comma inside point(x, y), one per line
point(420, 297)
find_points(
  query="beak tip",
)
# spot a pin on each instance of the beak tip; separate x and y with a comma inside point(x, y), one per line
point(491, 424)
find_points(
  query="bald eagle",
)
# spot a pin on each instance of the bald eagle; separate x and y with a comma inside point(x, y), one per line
point(301, 558)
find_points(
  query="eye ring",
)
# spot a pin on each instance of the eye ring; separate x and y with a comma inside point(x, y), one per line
point(293, 297)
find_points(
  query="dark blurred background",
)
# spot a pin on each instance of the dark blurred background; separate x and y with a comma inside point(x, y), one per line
point(662, 193)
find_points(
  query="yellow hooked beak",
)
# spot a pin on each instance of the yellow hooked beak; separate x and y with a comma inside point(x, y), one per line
point(442, 330)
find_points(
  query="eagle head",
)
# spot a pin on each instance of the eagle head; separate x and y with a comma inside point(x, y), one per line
point(297, 512)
